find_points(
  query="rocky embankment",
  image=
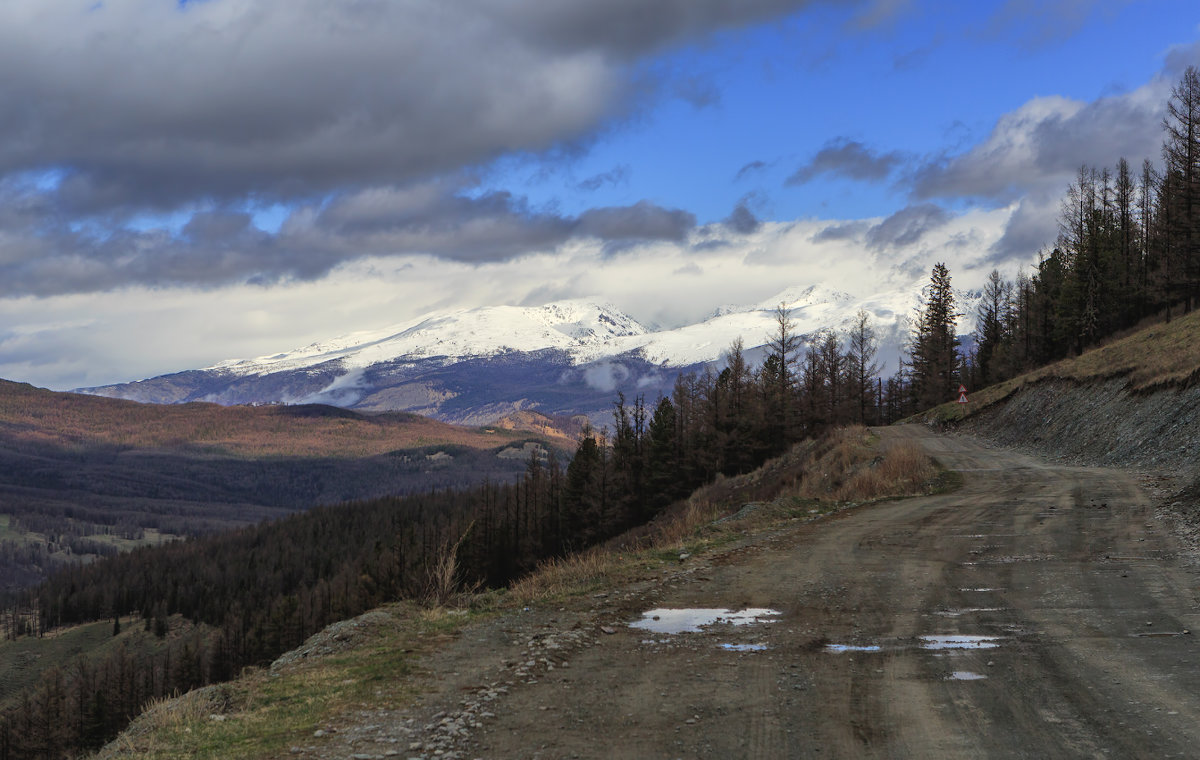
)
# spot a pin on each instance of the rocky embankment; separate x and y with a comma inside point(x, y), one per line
point(1103, 424)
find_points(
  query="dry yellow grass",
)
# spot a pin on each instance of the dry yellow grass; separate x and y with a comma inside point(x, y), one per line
point(565, 576)
point(1163, 355)
point(904, 469)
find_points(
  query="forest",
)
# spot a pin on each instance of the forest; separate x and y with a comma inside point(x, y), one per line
point(1129, 248)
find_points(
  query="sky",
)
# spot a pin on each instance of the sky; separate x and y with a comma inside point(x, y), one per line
point(188, 181)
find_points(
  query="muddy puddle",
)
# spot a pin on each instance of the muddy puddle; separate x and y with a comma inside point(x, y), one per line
point(696, 619)
point(967, 611)
point(938, 644)
point(837, 648)
point(965, 675)
point(956, 642)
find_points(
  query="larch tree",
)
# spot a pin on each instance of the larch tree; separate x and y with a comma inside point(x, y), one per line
point(863, 369)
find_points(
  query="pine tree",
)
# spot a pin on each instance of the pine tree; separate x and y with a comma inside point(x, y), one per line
point(933, 350)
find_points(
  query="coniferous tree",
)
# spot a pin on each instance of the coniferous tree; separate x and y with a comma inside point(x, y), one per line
point(933, 347)
point(1181, 201)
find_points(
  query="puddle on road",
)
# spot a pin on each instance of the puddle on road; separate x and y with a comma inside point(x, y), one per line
point(1161, 634)
point(981, 590)
point(965, 675)
point(745, 647)
point(967, 611)
point(939, 643)
point(693, 620)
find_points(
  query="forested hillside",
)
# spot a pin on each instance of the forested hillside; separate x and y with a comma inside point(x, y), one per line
point(83, 477)
point(1128, 249)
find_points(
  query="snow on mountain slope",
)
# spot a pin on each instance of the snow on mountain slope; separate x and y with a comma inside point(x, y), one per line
point(569, 357)
point(590, 330)
point(564, 325)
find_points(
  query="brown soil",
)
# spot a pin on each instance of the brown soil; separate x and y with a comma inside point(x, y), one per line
point(1080, 589)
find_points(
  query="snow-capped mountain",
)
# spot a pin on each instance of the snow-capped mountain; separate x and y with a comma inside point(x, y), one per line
point(477, 365)
point(573, 326)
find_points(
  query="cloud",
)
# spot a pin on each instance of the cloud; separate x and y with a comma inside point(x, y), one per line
point(43, 253)
point(841, 231)
point(98, 337)
point(847, 158)
point(144, 104)
point(907, 226)
point(742, 220)
point(641, 221)
point(618, 175)
point(1037, 23)
point(754, 167)
point(1038, 147)
point(605, 376)
point(1032, 226)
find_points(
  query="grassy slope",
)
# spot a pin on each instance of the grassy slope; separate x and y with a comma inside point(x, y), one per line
point(1165, 355)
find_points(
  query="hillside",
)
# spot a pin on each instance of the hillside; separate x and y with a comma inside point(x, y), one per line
point(83, 476)
point(1132, 402)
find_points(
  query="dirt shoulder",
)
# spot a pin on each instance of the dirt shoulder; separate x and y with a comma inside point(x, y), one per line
point(1041, 611)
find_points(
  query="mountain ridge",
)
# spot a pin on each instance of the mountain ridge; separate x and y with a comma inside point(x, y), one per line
point(474, 366)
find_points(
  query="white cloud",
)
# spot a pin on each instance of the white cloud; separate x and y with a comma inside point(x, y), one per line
point(78, 340)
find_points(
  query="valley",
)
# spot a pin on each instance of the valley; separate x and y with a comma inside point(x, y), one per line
point(82, 477)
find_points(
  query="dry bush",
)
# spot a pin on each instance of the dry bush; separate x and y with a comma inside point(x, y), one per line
point(684, 523)
point(175, 711)
point(563, 575)
point(904, 470)
point(443, 582)
point(836, 457)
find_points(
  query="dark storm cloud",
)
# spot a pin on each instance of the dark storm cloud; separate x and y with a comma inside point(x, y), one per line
point(348, 112)
point(847, 158)
point(907, 226)
point(148, 105)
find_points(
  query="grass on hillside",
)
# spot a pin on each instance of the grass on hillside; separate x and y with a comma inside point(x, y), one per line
point(1162, 355)
point(264, 713)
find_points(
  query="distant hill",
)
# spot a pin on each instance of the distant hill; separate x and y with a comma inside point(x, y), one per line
point(82, 476)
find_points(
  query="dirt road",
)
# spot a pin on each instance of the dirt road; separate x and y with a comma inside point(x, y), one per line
point(1039, 612)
